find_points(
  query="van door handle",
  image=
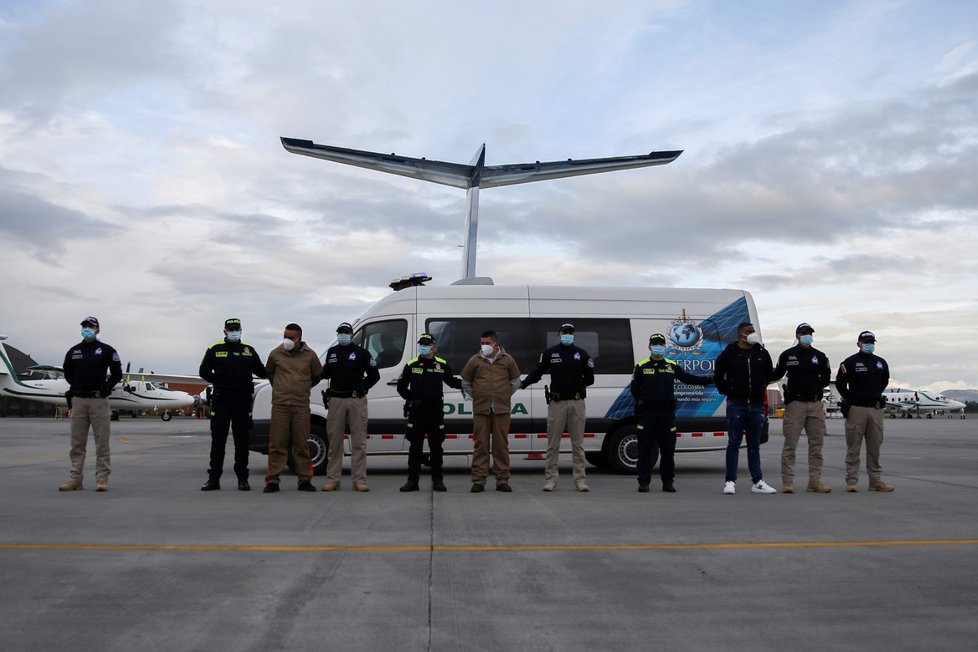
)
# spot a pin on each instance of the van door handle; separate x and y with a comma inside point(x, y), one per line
point(392, 383)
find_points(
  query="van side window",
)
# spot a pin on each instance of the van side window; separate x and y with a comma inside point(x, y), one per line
point(608, 341)
point(385, 341)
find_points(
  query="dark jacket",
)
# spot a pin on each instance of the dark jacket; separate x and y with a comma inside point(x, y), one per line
point(743, 374)
point(422, 379)
point(808, 373)
point(349, 368)
point(230, 365)
point(571, 371)
point(87, 364)
point(653, 383)
point(861, 379)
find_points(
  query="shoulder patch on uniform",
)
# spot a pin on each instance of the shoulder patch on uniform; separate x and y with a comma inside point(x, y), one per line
point(412, 360)
point(441, 360)
point(641, 362)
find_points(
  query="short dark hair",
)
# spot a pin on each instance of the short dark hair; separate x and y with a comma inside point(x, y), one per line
point(490, 334)
point(294, 327)
point(742, 324)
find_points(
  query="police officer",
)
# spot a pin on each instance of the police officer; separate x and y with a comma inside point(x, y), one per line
point(808, 374)
point(86, 366)
point(571, 372)
point(861, 379)
point(420, 384)
point(351, 372)
point(653, 388)
point(229, 365)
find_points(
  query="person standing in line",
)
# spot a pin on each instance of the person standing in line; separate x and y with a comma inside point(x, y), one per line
point(230, 366)
point(490, 377)
point(861, 379)
point(420, 385)
point(351, 372)
point(653, 388)
point(808, 374)
point(571, 372)
point(742, 372)
point(293, 370)
point(92, 368)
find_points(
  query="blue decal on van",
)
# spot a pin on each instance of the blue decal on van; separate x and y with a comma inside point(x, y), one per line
point(695, 347)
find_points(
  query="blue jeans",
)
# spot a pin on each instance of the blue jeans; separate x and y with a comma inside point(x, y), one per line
point(744, 418)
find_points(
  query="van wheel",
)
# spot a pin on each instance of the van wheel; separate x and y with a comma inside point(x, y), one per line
point(621, 449)
point(596, 458)
point(318, 450)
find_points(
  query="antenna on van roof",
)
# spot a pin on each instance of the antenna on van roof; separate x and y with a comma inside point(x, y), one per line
point(473, 176)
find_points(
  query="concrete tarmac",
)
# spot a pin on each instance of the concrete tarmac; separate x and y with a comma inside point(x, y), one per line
point(155, 564)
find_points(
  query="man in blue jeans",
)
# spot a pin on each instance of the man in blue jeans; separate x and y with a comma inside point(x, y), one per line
point(742, 373)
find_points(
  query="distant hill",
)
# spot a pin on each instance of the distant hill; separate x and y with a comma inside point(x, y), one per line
point(963, 395)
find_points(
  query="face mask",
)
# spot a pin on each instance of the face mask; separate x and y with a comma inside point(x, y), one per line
point(424, 349)
point(658, 350)
point(234, 336)
point(869, 347)
point(753, 338)
point(566, 340)
point(343, 338)
point(806, 340)
point(87, 333)
point(288, 344)
point(486, 350)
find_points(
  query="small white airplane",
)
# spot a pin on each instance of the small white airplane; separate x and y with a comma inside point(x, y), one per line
point(910, 403)
point(127, 396)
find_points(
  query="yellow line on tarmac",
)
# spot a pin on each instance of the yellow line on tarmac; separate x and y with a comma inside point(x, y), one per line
point(499, 548)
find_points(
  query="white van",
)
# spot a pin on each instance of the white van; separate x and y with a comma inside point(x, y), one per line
point(612, 324)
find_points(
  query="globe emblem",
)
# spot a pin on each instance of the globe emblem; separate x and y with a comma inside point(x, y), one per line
point(684, 334)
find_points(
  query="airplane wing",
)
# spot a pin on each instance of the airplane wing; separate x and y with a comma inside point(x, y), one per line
point(188, 379)
point(467, 176)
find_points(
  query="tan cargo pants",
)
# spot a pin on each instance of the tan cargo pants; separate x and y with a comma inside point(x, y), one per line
point(565, 416)
point(496, 428)
point(94, 413)
point(864, 423)
point(289, 423)
point(343, 412)
point(810, 417)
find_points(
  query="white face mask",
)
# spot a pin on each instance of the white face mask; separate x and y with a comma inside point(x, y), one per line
point(753, 338)
point(487, 350)
point(288, 344)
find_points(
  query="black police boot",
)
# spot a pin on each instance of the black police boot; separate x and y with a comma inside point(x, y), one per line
point(270, 488)
point(243, 484)
point(211, 485)
point(668, 488)
point(643, 488)
point(437, 484)
point(305, 485)
point(410, 485)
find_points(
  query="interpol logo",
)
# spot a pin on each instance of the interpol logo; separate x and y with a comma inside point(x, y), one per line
point(684, 334)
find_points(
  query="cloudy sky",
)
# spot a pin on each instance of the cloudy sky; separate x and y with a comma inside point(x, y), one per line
point(830, 163)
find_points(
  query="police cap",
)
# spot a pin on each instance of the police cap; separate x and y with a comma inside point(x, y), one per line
point(804, 328)
point(867, 336)
point(657, 338)
point(426, 338)
point(232, 324)
point(90, 320)
point(345, 327)
point(566, 327)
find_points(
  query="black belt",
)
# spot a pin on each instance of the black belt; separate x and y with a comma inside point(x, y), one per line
point(806, 398)
point(335, 393)
point(554, 396)
point(82, 394)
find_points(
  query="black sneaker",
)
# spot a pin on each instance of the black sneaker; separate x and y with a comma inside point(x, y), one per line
point(643, 488)
point(438, 485)
point(305, 485)
point(668, 488)
point(270, 488)
point(243, 485)
point(410, 485)
point(211, 485)
point(477, 488)
point(504, 487)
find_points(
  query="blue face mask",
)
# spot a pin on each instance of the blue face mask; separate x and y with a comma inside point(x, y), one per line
point(567, 339)
point(343, 338)
point(424, 349)
point(234, 336)
point(806, 340)
point(87, 333)
point(658, 350)
point(869, 347)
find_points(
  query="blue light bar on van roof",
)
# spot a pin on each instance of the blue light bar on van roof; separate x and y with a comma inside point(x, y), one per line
point(414, 280)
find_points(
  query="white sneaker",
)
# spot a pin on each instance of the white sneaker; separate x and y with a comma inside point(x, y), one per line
point(761, 487)
point(729, 487)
